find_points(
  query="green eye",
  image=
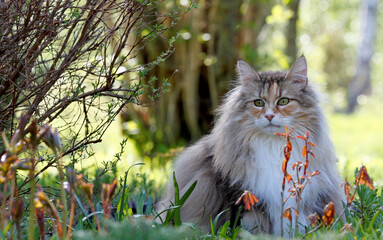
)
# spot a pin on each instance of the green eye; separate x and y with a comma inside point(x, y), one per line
point(259, 103)
point(283, 101)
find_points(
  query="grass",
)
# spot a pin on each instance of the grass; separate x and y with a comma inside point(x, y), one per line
point(358, 139)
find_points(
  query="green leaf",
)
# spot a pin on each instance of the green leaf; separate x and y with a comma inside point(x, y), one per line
point(175, 215)
point(224, 229)
point(213, 225)
point(122, 199)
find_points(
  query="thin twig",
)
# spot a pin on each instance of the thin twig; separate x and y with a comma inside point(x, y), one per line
point(313, 230)
point(339, 217)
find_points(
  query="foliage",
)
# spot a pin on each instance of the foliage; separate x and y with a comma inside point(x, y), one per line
point(136, 229)
point(63, 62)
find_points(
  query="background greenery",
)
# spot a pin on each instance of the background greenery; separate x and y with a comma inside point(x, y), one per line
point(328, 33)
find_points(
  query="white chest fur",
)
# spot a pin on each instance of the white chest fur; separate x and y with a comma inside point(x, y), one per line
point(264, 175)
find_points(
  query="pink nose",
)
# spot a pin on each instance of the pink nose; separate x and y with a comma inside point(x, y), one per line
point(269, 116)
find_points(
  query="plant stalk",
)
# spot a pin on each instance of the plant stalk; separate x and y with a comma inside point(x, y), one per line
point(31, 228)
point(283, 205)
point(63, 197)
point(3, 209)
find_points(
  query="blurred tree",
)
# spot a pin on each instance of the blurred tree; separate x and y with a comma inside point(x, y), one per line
point(291, 31)
point(361, 83)
point(211, 40)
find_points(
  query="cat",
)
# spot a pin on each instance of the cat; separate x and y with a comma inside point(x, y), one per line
point(242, 152)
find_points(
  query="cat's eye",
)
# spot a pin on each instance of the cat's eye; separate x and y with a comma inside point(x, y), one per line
point(259, 103)
point(283, 101)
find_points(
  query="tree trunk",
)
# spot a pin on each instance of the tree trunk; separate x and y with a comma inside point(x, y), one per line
point(361, 83)
point(291, 32)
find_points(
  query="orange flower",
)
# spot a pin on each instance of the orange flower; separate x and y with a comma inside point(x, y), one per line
point(287, 152)
point(304, 151)
point(328, 214)
point(364, 178)
point(287, 213)
point(248, 199)
point(347, 191)
point(284, 165)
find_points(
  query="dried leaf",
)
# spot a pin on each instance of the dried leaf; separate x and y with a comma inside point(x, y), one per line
point(17, 209)
point(39, 213)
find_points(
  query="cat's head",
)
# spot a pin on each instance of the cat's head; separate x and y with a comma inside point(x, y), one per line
point(272, 100)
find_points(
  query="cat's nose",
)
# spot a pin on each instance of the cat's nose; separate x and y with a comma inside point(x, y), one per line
point(269, 116)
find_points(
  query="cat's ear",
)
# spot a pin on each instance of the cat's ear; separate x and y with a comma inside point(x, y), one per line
point(246, 73)
point(298, 73)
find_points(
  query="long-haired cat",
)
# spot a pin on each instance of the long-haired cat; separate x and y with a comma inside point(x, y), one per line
point(243, 153)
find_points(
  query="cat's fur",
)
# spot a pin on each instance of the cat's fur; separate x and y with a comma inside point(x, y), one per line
point(243, 153)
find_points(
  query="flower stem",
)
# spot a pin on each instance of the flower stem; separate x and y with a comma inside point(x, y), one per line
point(3, 206)
point(282, 206)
